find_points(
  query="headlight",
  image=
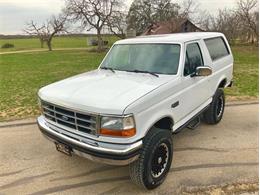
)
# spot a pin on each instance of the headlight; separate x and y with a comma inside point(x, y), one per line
point(118, 126)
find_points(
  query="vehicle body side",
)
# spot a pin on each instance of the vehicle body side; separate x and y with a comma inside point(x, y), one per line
point(191, 94)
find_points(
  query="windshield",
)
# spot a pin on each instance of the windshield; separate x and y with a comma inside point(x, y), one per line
point(153, 58)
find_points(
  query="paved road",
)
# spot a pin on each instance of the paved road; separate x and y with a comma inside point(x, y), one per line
point(209, 155)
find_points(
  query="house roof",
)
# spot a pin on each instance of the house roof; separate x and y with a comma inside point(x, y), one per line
point(171, 26)
point(170, 38)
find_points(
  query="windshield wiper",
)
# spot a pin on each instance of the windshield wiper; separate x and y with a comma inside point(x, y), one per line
point(144, 71)
point(108, 68)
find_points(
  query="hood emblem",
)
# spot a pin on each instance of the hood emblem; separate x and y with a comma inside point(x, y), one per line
point(65, 118)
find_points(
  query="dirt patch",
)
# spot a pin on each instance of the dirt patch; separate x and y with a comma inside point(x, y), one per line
point(236, 188)
point(18, 113)
point(241, 98)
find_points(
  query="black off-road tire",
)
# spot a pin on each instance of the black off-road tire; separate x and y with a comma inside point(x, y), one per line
point(143, 171)
point(214, 113)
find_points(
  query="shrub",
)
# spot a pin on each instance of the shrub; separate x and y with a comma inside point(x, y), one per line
point(7, 45)
point(94, 42)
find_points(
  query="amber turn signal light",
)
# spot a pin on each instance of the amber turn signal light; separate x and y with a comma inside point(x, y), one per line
point(118, 133)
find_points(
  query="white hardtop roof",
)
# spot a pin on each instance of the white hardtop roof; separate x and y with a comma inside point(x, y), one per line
point(170, 38)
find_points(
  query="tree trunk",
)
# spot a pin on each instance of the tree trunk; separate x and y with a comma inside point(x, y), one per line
point(256, 36)
point(42, 43)
point(49, 42)
point(49, 45)
point(252, 40)
point(100, 44)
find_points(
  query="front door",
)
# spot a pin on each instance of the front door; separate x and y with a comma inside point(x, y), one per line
point(195, 88)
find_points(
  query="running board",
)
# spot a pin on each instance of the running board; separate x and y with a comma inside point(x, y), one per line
point(190, 117)
point(194, 123)
point(179, 127)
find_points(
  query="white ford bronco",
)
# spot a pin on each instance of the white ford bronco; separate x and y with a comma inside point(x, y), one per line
point(145, 89)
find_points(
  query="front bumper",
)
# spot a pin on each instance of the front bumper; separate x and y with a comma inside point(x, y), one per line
point(114, 154)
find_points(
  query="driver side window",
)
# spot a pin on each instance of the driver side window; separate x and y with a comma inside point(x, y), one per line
point(193, 58)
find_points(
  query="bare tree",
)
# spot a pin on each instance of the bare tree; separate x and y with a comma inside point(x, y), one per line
point(117, 24)
point(93, 14)
point(240, 23)
point(53, 27)
point(188, 8)
point(48, 30)
point(203, 20)
point(143, 13)
point(248, 15)
point(226, 22)
point(33, 30)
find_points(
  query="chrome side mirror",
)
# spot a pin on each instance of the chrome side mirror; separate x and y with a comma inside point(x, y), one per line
point(203, 71)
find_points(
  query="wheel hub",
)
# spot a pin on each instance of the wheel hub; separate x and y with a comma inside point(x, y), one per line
point(160, 160)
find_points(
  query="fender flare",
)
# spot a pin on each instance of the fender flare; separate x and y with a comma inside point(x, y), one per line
point(224, 80)
point(157, 120)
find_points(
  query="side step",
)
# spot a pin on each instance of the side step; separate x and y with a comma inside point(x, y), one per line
point(194, 123)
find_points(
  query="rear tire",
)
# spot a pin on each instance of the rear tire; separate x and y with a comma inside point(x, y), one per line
point(214, 113)
point(154, 162)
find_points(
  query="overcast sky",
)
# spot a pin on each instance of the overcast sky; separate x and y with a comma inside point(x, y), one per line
point(15, 13)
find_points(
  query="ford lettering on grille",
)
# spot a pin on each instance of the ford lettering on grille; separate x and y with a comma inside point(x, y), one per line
point(65, 118)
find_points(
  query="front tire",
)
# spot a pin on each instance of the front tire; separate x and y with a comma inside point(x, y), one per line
point(214, 113)
point(153, 165)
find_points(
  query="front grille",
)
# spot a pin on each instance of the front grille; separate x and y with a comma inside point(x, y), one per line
point(86, 123)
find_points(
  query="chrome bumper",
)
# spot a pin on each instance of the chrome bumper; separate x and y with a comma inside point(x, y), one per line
point(114, 154)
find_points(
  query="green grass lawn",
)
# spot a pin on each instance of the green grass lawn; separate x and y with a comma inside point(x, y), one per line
point(246, 76)
point(21, 75)
point(58, 42)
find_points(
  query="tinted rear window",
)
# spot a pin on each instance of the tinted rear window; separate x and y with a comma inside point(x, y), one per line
point(217, 48)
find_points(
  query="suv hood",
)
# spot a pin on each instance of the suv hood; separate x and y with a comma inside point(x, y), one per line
point(101, 91)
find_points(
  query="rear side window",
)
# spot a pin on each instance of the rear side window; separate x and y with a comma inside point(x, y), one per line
point(217, 48)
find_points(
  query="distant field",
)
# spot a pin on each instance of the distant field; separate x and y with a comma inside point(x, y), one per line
point(21, 75)
point(58, 42)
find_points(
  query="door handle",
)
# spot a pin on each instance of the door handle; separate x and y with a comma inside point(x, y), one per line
point(175, 104)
